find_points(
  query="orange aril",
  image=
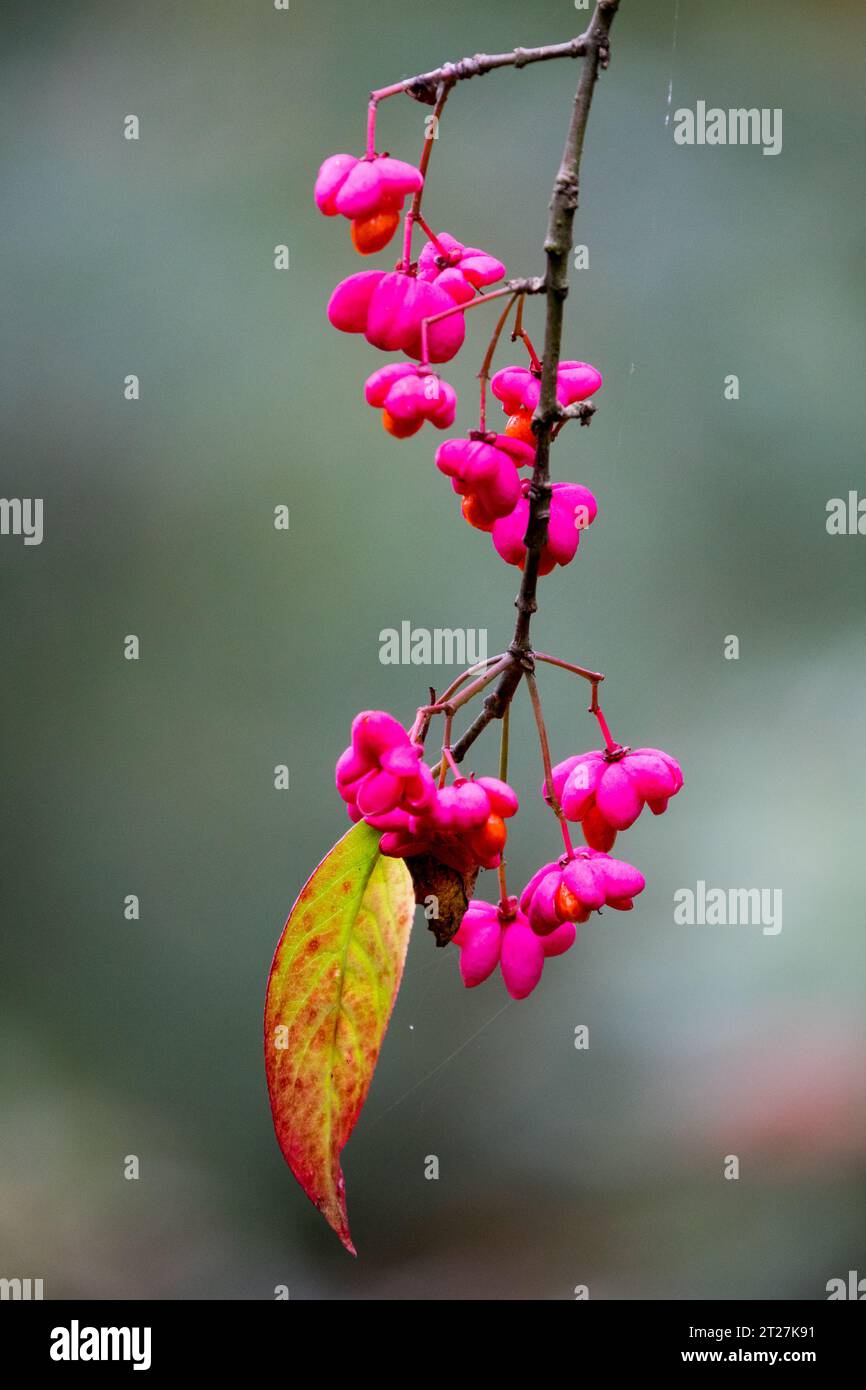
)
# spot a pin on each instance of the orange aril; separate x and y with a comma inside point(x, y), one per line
point(401, 429)
point(568, 904)
point(370, 234)
point(474, 513)
point(520, 427)
point(490, 838)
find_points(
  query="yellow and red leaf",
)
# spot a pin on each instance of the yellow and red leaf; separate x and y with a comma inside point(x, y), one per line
point(332, 986)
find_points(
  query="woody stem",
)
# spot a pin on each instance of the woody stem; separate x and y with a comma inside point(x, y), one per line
point(594, 46)
point(424, 85)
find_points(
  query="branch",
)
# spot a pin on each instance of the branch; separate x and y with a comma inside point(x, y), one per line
point(594, 47)
point(425, 86)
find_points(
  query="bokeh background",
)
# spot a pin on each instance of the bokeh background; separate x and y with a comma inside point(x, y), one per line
point(557, 1167)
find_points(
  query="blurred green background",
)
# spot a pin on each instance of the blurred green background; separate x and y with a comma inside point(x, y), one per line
point(558, 1167)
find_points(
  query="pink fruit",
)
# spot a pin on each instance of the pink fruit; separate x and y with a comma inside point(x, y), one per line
point(606, 791)
point(572, 508)
point(519, 388)
point(447, 256)
point(485, 469)
point(487, 938)
point(563, 893)
point(382, 770)
point(359, 188)
point(408, 395)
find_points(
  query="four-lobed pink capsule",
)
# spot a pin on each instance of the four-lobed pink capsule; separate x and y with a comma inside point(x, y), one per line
point(606, 789)
point(486, 938)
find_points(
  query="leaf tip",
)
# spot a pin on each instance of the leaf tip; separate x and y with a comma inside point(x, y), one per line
point(337, 1216)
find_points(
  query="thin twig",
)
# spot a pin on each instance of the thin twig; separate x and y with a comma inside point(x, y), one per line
point(449, 703)
point(432, 134)
point(484, 374)
point(424, 86)
point(534, 286)
point(503, 746)
point(446, 749)
point(610, 742)
point(594, 676)
point(520, 332)
point(550, 793)
point(503, 777)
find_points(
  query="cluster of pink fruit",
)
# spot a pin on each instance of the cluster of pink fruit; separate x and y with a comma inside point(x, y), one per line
point(384, 780)
point(417, 309)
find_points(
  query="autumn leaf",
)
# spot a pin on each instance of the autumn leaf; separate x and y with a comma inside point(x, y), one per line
point(332, 986)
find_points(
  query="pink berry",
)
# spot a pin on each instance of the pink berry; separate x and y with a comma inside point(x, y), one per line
point(463, 825)
point(459, 807)
point(488, 937)
point(382, 771)
point(563, 893)
point(389, 309)
point(479, 938)
point(359, 188)
point(606, 791)
point(397, 308)
point(476, 268)
point(349, 304)
point(572, 508)
point(407, 396)
point(519, 388)
point(485, 469)
point(522, 958)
